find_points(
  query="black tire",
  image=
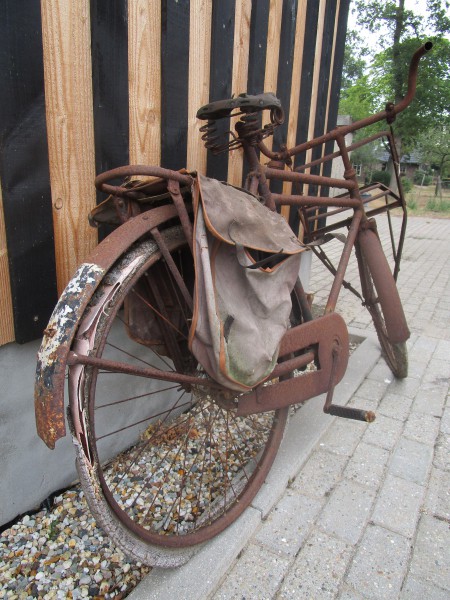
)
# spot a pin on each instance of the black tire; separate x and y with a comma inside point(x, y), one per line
point(163, 467)
point(395, 354)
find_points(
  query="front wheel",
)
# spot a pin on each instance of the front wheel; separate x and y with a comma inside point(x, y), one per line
point(395, 353)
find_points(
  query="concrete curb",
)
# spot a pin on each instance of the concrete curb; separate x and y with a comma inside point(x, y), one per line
point(199, 577)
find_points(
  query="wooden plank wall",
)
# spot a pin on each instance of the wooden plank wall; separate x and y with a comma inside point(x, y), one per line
point(6, 309)
point(123, 81)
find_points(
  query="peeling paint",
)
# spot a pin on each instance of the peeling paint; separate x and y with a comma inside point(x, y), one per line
point(51, 358)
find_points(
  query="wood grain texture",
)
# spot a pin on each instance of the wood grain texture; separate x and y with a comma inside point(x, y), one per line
point(68, 97)
point(242, 21)
point(295, 89)
point(144, 78)
point(272, 55)
point(199, 76)
point(316, 74)
point(330, 80)
point(6, 308)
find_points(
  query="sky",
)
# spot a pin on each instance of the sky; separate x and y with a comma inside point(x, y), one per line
point(418, 6)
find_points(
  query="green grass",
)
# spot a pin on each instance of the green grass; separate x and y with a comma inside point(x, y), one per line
point(411, 203)
point(440, 205)
point(422, 201)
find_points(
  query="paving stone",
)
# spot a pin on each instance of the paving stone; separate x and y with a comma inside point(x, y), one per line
point(442, 452)
point(442, 351)
point(398, 504)
point(430, 399)
point(318, 569)
point(431, 557)
point(347, 511)
point(395, 406)
point(289, 523)
point(257, 574)
point(383, 432)
point(423, 348)
point(445, 421)
point(438, 370)
point(372, 389)
point(418, 590)
point(367, 465)
point(404, 387)
point(320, 474)
point(422, 428)
point(349, 594)
point(380, 563)
point(411, 460)
point(416, 368)
point(342, 437)
point(437, 501)
point(364, 403)
point(381, 372)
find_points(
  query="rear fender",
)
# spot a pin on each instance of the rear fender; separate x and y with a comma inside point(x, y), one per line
point(63, 324)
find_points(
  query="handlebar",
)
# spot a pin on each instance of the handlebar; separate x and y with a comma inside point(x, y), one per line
point(388, 114)
point(412, 76)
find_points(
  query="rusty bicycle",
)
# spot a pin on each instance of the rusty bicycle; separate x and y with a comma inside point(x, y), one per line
point(168, 457)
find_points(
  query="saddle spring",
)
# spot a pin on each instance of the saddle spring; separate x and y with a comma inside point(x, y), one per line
point(248, 127)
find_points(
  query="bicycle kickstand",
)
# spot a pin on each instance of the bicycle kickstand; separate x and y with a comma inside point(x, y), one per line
point(343, 411)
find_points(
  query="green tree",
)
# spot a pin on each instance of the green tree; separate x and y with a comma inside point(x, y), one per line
point(434, 147)
point(431, 106)
point(399, 33)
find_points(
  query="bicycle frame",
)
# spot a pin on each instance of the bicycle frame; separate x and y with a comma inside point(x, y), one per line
point(312, 206)
point(55, 353)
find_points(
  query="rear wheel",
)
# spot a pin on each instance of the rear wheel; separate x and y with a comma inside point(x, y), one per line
point(164, 466)
point(395, 354)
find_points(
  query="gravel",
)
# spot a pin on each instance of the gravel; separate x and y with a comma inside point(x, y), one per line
point(61, 553)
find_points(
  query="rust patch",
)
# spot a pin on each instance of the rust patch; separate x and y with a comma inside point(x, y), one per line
point(51, 358)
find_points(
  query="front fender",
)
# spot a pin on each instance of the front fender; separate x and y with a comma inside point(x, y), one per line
point(63, 324)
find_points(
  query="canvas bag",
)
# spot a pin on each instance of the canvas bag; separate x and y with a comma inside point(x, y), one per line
point(242, 304)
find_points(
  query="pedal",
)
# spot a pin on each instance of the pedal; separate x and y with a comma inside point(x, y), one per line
point(343, 411)
point(350, 413)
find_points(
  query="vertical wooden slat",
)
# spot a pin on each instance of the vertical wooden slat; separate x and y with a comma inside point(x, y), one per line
point(6, 310)
point(109, 32)
point(199, 74)
point(273, 52)
point(68, 94)
point(330, 80)
point(336, 73)
point(316, 73)
point(221, 76)
point(295, 88)
point(258, 48)
point(242, 20)
point(144, 76)
point(174, 82)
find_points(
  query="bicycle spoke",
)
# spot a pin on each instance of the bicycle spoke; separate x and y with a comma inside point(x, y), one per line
point(173, 387)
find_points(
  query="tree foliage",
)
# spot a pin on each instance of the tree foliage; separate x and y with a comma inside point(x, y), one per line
point(400, 31)
point(434, 147)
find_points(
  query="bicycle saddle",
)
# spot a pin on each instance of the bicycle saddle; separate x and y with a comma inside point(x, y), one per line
point(244, 102)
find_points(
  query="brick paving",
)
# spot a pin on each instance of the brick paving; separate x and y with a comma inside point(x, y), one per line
point(367, 516)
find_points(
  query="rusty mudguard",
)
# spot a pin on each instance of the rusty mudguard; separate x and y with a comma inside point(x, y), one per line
point(58, 336)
